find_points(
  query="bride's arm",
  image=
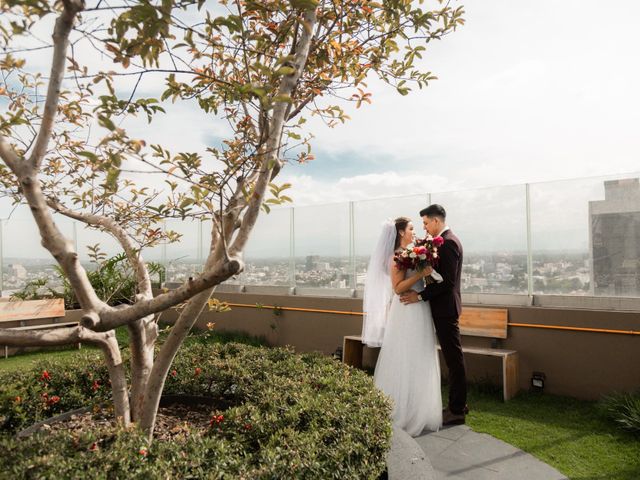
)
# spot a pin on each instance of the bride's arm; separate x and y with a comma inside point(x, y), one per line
point(401, 284)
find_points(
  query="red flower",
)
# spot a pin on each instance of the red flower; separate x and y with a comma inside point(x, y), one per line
point(45, 376)
point(174, 373)
point(95, 385)
point(438, 241)
point(18, 399)
point(216, 419)
point(198, 371)
point(247, 426)
point(93, 447)
point(54, 399)
point(143, 451)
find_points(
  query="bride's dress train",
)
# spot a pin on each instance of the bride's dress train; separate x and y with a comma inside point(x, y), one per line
point(408, 368)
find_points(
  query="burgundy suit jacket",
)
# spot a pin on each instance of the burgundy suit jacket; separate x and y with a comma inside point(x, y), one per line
point(445, 296)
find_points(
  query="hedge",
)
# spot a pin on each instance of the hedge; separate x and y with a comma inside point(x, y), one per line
point(280, 415)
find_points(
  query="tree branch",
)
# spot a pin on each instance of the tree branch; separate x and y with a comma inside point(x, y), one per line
point(270, 163)
point(8, 154)
point(63, 26)
point(120, 234)
point(112, 318)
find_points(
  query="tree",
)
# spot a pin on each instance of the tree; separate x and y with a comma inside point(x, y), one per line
point(263, 67)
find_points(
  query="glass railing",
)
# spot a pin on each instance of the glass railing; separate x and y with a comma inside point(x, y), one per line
point(571, 237)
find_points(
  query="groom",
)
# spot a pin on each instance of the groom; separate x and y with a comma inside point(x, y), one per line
point(445, 307)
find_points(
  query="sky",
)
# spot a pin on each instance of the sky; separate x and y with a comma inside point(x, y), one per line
point(527, 92)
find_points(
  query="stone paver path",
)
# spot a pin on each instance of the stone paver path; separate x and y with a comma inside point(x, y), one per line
point(457, 453)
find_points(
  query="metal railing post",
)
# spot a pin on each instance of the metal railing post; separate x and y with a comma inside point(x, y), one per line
point(200, 248)
point(529, 251)
point(1, 261)
point(292, 249)
point(75, 237)
point(352, 247)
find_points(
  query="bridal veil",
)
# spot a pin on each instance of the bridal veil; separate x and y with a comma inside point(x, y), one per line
point(377, 287)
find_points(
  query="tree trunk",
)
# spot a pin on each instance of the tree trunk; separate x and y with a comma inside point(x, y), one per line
point(143, 334)
point(163, 363)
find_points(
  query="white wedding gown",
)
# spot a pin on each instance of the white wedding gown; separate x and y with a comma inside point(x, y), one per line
point(408, 368)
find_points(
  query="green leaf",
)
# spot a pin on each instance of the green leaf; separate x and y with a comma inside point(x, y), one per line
point(90, 155)
point(106, 122)
point(304, 4)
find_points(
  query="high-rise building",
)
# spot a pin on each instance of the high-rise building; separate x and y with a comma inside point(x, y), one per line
point(312, 262)
point(615, 239)
point(18, 271)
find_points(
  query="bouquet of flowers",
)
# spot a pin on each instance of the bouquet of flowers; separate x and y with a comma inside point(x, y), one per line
point(420, 254)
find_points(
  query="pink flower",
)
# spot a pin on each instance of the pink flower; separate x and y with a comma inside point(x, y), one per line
point(438, 241)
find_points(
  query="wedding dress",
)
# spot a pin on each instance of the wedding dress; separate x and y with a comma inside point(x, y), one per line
point(408, 368)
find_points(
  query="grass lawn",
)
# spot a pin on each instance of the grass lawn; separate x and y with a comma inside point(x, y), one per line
point(571, 435)
point(24, 360)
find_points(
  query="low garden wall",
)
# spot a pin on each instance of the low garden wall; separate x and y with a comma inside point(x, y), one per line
point(582, 364)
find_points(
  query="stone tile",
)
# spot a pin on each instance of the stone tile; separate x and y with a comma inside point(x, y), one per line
point(528, 467)
point(477, 456)
point(406, 459)
point(433, 445)
point(452, 433)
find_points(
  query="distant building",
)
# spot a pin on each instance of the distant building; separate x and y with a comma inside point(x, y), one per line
point(18, 271)
point(615, 239)
point(312, 262)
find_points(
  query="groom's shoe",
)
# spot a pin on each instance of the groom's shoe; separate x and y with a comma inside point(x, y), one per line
point(450, 418)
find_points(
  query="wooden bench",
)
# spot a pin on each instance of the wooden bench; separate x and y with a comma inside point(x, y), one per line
point(33, 315)
point(474, 321)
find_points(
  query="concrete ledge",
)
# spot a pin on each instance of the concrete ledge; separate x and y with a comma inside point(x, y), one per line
point(406, 460)
point(268, 290)
point(229, 288)
point(325, 292)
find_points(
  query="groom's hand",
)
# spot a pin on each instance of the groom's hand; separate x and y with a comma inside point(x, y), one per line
point(410, 297)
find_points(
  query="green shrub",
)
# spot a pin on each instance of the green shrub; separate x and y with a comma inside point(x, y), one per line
point(284, 416)
point(624, 410)
point(50, 388)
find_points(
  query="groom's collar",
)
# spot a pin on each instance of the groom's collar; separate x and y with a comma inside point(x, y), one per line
point(443, 230)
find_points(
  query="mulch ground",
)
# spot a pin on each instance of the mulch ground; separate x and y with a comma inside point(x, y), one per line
point(173, 422)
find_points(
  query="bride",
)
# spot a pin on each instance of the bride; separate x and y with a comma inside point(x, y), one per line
point(408, 368)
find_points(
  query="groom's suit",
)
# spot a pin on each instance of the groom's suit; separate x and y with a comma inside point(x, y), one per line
point(446, 306)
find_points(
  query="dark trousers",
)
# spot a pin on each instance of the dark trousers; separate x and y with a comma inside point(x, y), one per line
point(449, 337)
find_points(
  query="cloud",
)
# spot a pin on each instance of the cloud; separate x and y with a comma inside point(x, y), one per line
point(307, 190)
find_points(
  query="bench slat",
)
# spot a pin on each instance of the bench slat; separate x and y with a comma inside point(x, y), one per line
point(46, 327)
point(31, 310)
point(493, 352)
point(484, 322)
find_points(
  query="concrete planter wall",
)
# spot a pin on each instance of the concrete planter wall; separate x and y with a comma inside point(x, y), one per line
point(579, 364)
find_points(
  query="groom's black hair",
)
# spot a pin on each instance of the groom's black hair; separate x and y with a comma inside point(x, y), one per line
point(434, 210)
